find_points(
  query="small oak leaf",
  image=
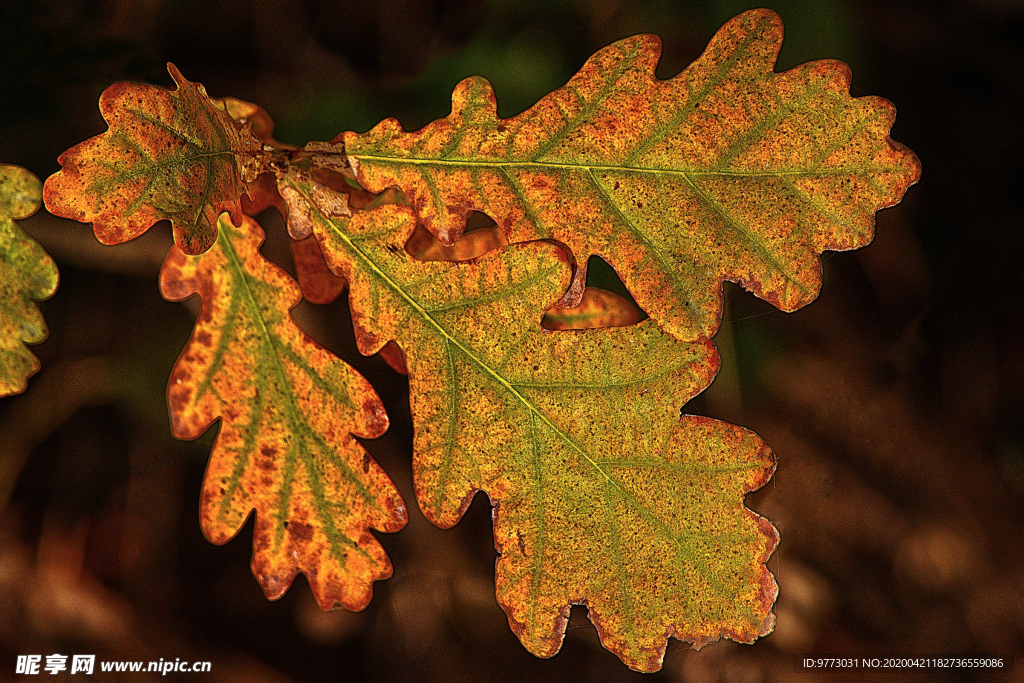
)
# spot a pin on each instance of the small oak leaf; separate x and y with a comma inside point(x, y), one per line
point(290, 413)
point(27, 274)
point(169, 154)
point(728, 171)
point(601, 495)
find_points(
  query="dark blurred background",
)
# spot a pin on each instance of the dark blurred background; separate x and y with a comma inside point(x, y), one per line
point(893, 402)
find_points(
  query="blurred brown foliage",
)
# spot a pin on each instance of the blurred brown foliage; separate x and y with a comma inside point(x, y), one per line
point(893, 402)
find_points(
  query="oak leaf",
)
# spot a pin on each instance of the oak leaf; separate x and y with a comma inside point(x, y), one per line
point(174, 154)
point(728, 171)
point(321, 286)
point(601, 495)
point(290, 413)
point(27, 274)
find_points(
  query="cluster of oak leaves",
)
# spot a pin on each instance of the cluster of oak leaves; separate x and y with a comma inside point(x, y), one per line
point(558, 400)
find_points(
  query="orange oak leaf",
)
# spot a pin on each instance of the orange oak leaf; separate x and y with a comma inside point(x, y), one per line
point(728, 171)
point(173, 154)
point(27, 275)
point(601, 495)
point(290, 413)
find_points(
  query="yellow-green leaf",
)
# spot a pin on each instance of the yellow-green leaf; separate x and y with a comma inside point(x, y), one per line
point(728, 171)
point(290, 412)
point(173, 154)
point(27, 274)
point(601, 495)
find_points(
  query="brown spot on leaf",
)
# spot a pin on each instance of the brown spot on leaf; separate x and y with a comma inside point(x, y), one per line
point(300, 531)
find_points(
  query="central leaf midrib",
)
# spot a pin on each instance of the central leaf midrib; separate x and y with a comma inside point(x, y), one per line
point(561, 165)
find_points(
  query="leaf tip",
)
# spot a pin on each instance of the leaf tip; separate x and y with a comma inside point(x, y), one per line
point(476, 92)
point(176, 76)
point(763, 27)
point(21, 191)
point(764, 17)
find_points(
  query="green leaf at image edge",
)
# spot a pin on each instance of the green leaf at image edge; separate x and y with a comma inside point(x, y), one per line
point(27, 274)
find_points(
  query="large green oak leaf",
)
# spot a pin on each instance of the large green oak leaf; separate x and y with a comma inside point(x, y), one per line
point(602, 495)
point(727, 171)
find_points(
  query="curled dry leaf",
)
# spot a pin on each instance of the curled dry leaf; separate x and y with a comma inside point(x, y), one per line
point(600, 494)
point(27, 274)
point(426, 247)
point(319, 284)
point(291, 411)
point(262, 191)
point(261, 125)
point(598, 308)
point(728, 171)
point(173, 154)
